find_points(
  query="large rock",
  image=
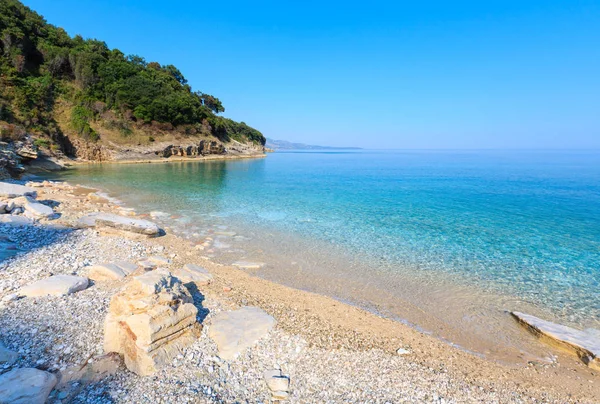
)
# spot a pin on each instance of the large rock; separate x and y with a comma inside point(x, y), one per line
point(8, 190)
point(139, 226)
point(105, 272)
point(193, 273)
point(37, 210)
point(13, 220)
point(56, 285)
point(151, 321)
point(585, 344)
point(26, 386)
point(234, 331)
point(7, 356)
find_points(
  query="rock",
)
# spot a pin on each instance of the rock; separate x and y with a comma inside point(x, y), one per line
point(11, 298)
point(26, 386)
point(402, 351)
point(194, 273)
point(91, 372)
point(277, 383)
point(127, 267)
point(158, 260)
point(13, 220)
point(585, 344)
point(38, 210)
point(248, 265)
point(150, 322)
point(139, 226)
point(105, 272)
point(8, 190)
point(234, 331)
point(7, 357)
point(56, 285)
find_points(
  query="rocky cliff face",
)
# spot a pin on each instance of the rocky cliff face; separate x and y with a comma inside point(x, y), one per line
point(14, 154)
point(204, 148)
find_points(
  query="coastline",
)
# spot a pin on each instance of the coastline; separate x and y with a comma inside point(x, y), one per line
point(209, 157)
point(321, 326)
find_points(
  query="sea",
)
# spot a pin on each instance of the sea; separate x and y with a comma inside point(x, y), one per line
point(449, 242)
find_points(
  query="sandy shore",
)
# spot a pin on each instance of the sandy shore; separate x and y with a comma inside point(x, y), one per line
point(332, 352)
point(158, 160)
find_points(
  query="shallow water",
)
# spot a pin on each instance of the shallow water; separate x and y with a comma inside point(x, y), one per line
point(446, 240)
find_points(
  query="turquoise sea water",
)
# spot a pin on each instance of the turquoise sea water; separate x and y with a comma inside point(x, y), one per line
point(521, 224)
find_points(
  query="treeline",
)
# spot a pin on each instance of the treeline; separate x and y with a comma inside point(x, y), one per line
point(40, 62)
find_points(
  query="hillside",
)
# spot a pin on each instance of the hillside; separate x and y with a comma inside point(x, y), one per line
point(285, 145)
point(75, 97)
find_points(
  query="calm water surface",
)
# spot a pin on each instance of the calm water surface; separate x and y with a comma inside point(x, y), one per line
point(446, 240)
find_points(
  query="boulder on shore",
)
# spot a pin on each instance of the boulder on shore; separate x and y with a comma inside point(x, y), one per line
point(8, 190)
point(7, 357)
point(139, 226)
point(151, 321)
point(26, 386)
point(585, 344)
point(234, 331)
point(56, 285)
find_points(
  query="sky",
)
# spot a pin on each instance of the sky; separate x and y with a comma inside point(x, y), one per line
point(375, 74)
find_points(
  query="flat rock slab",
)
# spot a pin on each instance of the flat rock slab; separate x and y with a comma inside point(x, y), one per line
point(26, 386)
point(13, 220)
point(56, 285)
point(248, 265)
point(37, 210)
point(8, 190)
point(193, 273)
point(234, 331)
point(127, 267)
point(585, 344)
point(106, 272)
point(139, 226)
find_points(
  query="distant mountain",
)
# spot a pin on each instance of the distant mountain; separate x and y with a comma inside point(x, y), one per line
point(285, 145)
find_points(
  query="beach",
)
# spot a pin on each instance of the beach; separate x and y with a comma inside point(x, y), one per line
point(331, 352)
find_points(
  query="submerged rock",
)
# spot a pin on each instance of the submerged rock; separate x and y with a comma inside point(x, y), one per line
point(585, 344)
point(26, 386)
point(56, 285)
point(234, 331)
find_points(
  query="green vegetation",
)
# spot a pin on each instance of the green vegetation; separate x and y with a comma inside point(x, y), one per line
point(41, 65)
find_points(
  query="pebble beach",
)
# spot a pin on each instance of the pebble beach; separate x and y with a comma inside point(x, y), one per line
point(321, 349)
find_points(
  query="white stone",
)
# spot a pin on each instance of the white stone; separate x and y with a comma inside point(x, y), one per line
point(13, 220)
point(402, 351)
point(140, 226)
point(585, 344)
point(10, 298)
point(159, 260)
point(248, 265)
point(56, 285)
point(193, 273)
point(38, 210)
point(26, 386)
point(234, 331)
point(126, 266)
point(105, 272)
point(8, 190)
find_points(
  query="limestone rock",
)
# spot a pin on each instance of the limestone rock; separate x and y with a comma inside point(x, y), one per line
point(106, 272)
point(37, 210)
point(127, 267)
point(234, 331)
point(13, 220)
point(150, 322)
point(7, 356)
point(194, 273)
point(248, 265)
point(278, 384)
point(585, 344)
point(158, 260)
point(56, 285)
point(8, 190)
point(26, 386)
point(130, 224)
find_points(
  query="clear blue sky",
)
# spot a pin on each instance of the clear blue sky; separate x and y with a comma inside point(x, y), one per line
point(385, 74)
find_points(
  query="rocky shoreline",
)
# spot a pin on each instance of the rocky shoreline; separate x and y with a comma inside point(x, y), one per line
point(140, 315)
